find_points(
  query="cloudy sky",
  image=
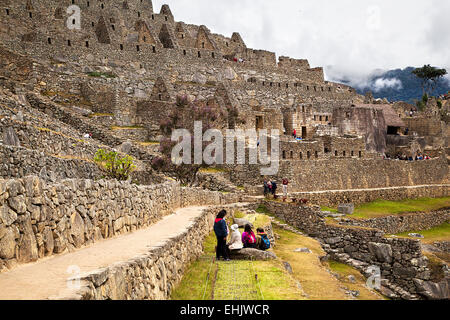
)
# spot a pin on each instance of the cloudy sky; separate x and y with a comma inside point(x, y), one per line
point(350, 38)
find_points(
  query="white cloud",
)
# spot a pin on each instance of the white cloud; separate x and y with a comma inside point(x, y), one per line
point(354, 37)
point(383, 83)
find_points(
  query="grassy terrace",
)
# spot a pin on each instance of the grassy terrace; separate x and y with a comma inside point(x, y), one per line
point(235, 280)
point(382, 208)
point(439, 233)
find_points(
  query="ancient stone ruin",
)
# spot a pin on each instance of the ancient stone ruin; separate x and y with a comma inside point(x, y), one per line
point(66, 92)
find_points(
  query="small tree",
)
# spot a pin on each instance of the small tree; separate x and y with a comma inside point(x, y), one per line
point(114, 165)
point(429, 77)
point(183, 116)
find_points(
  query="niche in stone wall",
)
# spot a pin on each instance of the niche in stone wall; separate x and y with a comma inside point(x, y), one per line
point(165, 37)
point(145, 35)
point(203, 40)
point(102, 32)
point(59, 13)
point(160, 92)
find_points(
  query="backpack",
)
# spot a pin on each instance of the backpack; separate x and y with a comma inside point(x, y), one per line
point(265, 243)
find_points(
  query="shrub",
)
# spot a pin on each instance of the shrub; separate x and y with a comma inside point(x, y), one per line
point(114, 165)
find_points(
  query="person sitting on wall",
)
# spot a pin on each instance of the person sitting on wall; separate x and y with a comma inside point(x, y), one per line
point(262, 240)
point(221, 231)
point(248, 237)
point(294, 134)
point(236, 238)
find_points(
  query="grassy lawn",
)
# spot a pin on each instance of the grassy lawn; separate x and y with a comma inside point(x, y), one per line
point(382, 208)
point(316, 281)
point(439, 233)
point(310, 278)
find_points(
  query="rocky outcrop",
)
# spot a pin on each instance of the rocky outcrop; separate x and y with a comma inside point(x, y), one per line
point(252, 254)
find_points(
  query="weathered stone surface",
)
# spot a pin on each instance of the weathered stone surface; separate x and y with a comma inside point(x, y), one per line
point(7, 216)
point(249, 253)
point(7, 245)
point(10, 138)
point(28, 250)
point(303, 250)
point(346, 208)
point(242, 222)
point(433, 291)
point(382, 251)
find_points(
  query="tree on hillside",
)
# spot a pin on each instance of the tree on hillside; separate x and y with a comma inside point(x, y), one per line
point(429, 77)
point(183, 116)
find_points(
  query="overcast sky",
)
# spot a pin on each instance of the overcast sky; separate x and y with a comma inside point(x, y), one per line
point(345, 37)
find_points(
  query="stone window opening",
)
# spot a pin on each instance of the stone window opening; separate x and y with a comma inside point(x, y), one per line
point(353, 153)
point(344, 153)
point(88, 4)
point(182, 36)
point(227, 44)
point(263, 83)
point(287, 85)
point(308, 154)
point(321, 88)
point(49, 40)
point(184, 52)
point(284, 155)
point(279, 85)
point(199, 54)
point(69, 43)
point(87, 44)
point(213, 55)
point(139, 14)
point(303, 109)
point(138, 48)
point(203, 45)
point(103, 6)
point(167, 19)
point(317, 155)
point(329, 89)
point(154, 49)
point(315, 88)
point(121, 46)
point(93, 24)
point(320, 118)
point(30, 14)
point(153, 17)
point(360, 154)
point(326, 118)
point(7, 12)
point(160, 97)
point(301, 155)
point(73, 1)
point(307, 88)
point(271, 84)
point(336, 153)
point(114, 28)
point(292, 154)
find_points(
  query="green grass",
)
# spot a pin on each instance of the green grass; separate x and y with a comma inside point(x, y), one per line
point(96, 74)
point(262, 209)
point(439, 233)
point(334, 210)
point(382, 208)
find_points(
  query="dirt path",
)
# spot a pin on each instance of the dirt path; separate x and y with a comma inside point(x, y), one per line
point(48, 277)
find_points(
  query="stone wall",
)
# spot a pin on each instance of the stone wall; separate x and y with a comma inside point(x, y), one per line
point(153, 275)
point(39, 219)
point(403, 223)
point(334, 198)
point(346, 174)
point(403, 266)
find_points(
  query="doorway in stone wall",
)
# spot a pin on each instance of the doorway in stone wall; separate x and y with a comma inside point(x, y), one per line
point(259, 122)
point(304, 132)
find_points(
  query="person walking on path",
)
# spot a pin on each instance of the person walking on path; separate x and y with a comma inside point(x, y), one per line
point(285, 188)
point(221, 231)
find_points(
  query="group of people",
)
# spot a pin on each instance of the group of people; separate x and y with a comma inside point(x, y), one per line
point(404, 157)
point(248, 239)
point(270, 188)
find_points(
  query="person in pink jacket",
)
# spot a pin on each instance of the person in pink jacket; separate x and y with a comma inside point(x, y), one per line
point(248, 237)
